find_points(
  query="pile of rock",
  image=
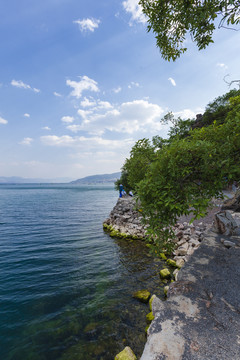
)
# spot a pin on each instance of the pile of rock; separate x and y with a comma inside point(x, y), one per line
point(187, 240)
point(126, 220)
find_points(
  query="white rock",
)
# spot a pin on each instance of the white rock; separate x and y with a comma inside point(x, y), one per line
point(182, 250)
point(194, 242)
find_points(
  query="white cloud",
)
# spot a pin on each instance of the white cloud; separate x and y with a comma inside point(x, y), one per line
point(129, 117)
point(3, 121)
point(26, 141)
point(85, 142)
point(86, 102)
point(172, 81)
point(20, 84)
point(84, 84)
point(132, 7)
point(26, 115)
point(46, 128)
point(57, 94)
point(222, 66)
point(67, 119)
point(104, 105)
point(36, 90)
point(133, 84)
point(117, 90)
point(74, 128)
point(87, 24)
point(84, 113)
point(187, 113)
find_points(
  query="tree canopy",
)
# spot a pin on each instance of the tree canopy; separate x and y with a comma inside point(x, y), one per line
point(180, 175)
point(172, 20)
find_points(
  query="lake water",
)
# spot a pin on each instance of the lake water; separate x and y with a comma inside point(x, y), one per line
point(65, 285)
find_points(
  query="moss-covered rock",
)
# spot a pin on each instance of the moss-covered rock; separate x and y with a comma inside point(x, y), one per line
point(171, 262)
point(163, 256)
point(142, 295)
point(150, 302)
point(149, 317)
point(165, 289)
point(165, 274)
point(126, 354)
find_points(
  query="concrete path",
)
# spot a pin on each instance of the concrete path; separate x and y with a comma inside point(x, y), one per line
point(200, 320)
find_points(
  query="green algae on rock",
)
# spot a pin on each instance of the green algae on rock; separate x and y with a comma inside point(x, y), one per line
point(149, 317)
point(150, 301)
point(165, 290)
point(163, 256)
point(117, 234)
point(126, 354)
point(142, 295)
point(171, 262)
point(165, 274)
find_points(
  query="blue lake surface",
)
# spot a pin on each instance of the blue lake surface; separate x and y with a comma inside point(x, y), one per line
point(65, 285)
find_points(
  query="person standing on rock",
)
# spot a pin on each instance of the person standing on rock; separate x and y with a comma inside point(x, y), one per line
point(120, 190)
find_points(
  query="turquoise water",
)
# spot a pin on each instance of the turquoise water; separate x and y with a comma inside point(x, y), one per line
point(65, 285)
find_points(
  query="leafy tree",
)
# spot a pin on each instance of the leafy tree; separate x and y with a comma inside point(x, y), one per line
point(218, 109)
point(141, 156)
point(180, 128)
point(123, 180)
point(135, 167)
point(172, 20)
point(188, 172)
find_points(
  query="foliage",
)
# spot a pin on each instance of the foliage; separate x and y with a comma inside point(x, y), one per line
point(180, 128)
point(172, 20)
point(135, 168)
point(123, 180)
point(219, 108)
point(188, 172)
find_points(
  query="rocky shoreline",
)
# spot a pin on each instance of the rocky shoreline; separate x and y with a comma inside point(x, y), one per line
point(125, 221)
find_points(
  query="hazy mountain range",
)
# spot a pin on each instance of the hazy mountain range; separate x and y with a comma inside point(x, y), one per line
point(104, 178)
point(93, 179)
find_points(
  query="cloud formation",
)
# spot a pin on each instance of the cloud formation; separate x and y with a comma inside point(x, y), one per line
point(129, 117)
point(20, 84)
point(3, 121)
point(117, 90)
point(67, 119)
point(133, 84)
point(172, 81)
point(83, 141)
point(84, 84)
point(132, 7)
point(222, 66)
point(88, 24)
point(187, 113)
point(57, 94)
point(26, 141)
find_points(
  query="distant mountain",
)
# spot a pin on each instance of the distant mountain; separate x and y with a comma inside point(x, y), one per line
point(104, 178)
point(20, 180)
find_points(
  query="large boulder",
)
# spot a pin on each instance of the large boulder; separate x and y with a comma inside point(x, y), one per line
point(224, 223)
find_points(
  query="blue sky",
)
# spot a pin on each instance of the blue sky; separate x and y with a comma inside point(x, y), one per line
point(81, 81)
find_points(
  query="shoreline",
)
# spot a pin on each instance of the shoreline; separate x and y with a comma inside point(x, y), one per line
point(189, 238)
